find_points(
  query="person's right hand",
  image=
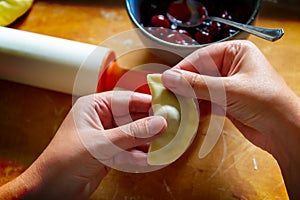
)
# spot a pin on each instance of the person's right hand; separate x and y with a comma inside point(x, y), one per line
point(254, 96)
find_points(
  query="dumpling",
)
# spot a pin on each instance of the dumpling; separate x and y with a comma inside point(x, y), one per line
point(182, 118)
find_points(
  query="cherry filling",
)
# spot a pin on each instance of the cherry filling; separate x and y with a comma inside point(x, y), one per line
point(202, 13)
point(155, 21)
point(177, 36)
point(160, 21)
point(180, 11)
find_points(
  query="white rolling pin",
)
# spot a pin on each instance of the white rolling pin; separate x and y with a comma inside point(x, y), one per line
point(51, 63)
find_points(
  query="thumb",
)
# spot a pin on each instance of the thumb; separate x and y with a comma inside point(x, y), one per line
point(136, 133)
point(191, 84)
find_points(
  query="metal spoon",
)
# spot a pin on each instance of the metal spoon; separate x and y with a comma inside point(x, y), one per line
point(271, 34)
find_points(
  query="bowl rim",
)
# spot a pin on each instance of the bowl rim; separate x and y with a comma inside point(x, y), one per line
point(145, 32)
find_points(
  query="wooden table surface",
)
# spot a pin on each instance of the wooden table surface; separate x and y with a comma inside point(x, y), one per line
point(235, 169)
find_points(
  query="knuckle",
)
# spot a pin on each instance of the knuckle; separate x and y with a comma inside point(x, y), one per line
point(138, 129)
point(133, 127)
point(195, 81)
point(82, 99)
point(228, 84)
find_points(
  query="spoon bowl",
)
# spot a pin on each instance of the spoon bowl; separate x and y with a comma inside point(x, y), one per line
point(197, 16)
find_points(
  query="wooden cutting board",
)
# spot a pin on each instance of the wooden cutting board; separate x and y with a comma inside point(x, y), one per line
point(235, 169)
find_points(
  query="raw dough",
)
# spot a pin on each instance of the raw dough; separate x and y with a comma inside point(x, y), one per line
point(182, 119)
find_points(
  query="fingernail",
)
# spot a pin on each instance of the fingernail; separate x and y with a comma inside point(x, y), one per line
point(171, 78)
point(155, 125)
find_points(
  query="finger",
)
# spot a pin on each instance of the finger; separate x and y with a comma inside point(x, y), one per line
point(124, 105)
point(136, 133)
point(126, 119)
point(216, 59)
point(117, 108)
point(105, 144)
point(143, 147)
point(200, 62)
point(139, 103)
point(132, 157)
point(204, 87)
point(124, 102)
point(132, 161)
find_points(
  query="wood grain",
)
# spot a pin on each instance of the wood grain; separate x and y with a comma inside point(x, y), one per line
point(235, 169)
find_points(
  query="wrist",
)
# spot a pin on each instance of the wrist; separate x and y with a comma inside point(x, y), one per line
point(287, 155)
point(286, 144)
point(286, 130)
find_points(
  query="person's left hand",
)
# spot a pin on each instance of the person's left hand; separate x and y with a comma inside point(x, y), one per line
point(98, 128)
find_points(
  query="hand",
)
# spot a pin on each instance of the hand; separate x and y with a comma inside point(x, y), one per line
point(255, 94)
point(251, 94)
point(98, 128)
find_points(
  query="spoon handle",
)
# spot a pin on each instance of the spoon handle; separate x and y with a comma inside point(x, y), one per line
point(270, 34)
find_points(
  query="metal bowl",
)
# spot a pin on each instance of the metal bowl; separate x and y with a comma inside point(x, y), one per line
point(136, 15)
